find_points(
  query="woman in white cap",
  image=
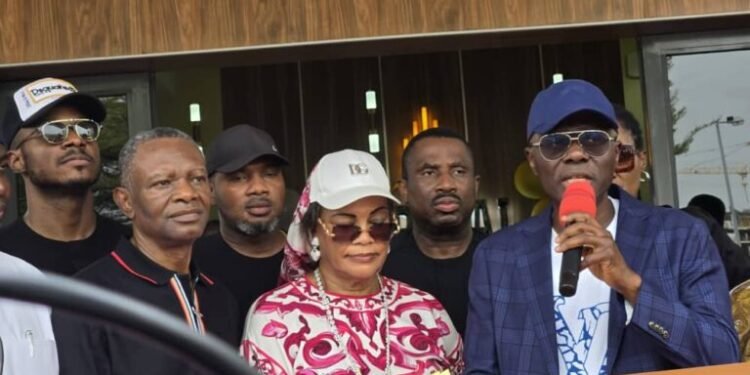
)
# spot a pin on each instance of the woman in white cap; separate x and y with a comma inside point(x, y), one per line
point(337, 315)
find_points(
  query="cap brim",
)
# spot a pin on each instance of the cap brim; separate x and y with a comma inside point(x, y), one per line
point(89, 106)
point(238, 163)
point(345, 197)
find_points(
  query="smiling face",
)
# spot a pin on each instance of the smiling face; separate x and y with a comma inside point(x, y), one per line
point(73, 164)
point(362, 258)
point(251, 199)
point(168, 197)
point(556, 174)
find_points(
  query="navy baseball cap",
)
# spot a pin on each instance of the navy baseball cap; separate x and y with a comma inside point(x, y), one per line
point(32, 102)
point(555, 103)
point(238, 146)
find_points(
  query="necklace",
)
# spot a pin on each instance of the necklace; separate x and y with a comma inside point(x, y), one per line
point(337, 335)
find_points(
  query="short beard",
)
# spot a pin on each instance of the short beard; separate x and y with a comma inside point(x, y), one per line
point(256, 229)
point(68, 188)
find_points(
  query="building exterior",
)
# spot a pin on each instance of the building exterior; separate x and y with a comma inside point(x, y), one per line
point(301, 70)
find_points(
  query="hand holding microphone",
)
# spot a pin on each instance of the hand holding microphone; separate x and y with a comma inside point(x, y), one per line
point(585, 238)
point(578, 197)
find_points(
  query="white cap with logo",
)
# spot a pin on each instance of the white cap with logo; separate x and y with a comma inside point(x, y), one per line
point(345, 176)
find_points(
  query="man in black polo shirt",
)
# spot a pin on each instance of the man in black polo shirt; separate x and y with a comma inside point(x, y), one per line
point(439, 187)
point(245, 169)
point(51, 132)
point(165, 192)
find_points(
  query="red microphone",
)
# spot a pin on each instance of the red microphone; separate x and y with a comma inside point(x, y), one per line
point(579, 197)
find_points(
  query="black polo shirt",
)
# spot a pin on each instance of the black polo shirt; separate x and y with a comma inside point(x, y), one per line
point(63, 257)
point(446, 279)
point(86, 347)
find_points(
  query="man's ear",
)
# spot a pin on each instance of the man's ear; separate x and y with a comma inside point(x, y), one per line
point(403, 191)
point(122, 198)
point(16, 161)
point(476, 184)
point(531, 160)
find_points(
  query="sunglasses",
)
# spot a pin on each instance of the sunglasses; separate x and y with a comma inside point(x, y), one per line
point(56, 132)
point(625, 159)
point(555, 145)
point(347, 233)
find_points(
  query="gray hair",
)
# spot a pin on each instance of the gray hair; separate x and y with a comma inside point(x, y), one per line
point(127, 153)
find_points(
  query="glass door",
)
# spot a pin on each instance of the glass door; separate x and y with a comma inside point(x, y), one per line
point(698, 87)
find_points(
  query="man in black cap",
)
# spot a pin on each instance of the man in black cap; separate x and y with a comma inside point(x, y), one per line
point(51, 131)
point(246, 176)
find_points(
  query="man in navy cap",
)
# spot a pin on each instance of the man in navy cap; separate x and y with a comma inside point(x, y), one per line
point(652, 291)
point(247, 179)
point(51, 131)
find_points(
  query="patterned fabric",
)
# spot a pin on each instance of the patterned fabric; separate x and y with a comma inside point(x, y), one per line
point(740, 296)
point(682, 316)
point(297, 249)
point(287, 332)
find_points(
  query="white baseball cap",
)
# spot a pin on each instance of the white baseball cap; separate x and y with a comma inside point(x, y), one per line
point(34, 100)
point(345, 176)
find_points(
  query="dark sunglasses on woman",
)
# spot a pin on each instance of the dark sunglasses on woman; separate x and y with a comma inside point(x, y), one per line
point(347, 233)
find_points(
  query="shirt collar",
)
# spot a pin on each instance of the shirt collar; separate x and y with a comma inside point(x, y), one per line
point(140, 266)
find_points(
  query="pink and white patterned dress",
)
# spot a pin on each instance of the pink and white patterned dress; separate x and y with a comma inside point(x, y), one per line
point(287, 332)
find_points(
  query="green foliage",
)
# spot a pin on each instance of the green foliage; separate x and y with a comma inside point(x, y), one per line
point(114, 135)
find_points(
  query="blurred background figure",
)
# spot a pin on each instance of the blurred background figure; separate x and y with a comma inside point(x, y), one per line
point(631, 171)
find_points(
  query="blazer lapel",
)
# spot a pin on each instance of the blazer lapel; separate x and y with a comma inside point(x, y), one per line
point(537, 260)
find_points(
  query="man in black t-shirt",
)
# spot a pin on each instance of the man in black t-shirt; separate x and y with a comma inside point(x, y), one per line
point(439, 188)
point(51, 131)
point(245, 169)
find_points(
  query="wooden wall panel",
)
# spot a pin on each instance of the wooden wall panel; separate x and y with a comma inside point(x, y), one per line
point(46, 30)
point(334, 106)
point(268, 97)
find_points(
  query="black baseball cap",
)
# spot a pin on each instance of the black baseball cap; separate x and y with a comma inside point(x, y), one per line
point(33, 101)
point(238, 146)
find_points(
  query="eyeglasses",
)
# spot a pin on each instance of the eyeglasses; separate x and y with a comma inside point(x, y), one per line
point(555, 145)
point(56, 132)
point(347, 233)
point(625, 159)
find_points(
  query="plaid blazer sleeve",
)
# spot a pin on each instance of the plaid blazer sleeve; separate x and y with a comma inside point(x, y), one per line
point(479, 351)
point(683, 303)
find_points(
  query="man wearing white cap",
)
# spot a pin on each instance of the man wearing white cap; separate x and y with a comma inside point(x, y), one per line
point(51, 131)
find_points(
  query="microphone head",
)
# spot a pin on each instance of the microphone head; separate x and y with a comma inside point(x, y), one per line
point(579, 196)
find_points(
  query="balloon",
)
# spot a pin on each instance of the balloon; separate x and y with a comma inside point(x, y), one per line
point(526, 182)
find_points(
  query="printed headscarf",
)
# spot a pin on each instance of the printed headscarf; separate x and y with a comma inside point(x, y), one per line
point(297, 259)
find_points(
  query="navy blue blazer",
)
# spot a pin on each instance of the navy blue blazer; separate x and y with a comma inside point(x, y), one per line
point(682, 317)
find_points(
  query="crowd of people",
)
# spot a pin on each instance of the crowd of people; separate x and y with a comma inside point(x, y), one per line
point(343, 289)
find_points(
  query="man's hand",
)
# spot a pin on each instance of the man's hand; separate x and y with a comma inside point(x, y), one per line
point(600, 254)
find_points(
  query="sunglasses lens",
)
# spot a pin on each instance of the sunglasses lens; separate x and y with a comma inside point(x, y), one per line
point(594, 143)
point(382, 231)
point(553, 146)
point(625, 159)
point(87, 130)
point(54, 132)
point(345, 233)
